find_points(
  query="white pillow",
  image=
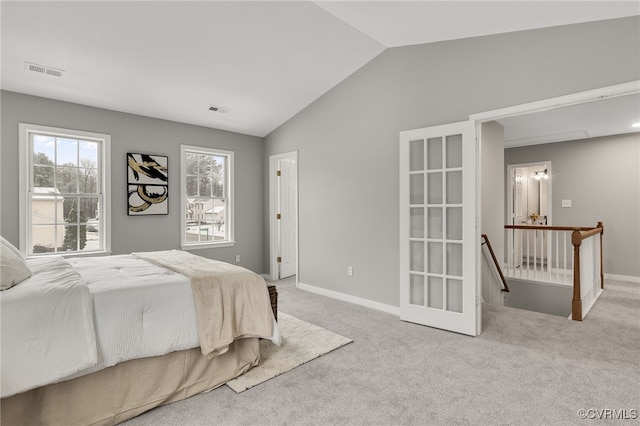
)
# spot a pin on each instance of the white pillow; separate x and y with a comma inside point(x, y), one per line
point(13, 268)
point(4, 242)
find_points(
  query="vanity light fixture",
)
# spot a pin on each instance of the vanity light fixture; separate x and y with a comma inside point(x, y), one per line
point(540, 175)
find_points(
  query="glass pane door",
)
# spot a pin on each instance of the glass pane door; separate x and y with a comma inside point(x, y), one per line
point(438, 233)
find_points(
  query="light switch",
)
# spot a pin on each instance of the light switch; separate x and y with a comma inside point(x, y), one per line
point(566, 203)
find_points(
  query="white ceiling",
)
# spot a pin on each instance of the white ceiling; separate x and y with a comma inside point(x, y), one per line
point(400, 23)
point(264, 61)
point(611, 116)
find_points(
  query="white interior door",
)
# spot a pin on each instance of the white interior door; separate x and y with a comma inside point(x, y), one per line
point(439, 238)
point(287, 192)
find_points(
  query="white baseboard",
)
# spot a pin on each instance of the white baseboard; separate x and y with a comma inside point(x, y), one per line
point(627, 278)
point(394, 310)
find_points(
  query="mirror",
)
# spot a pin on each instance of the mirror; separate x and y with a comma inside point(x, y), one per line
point(531, 193)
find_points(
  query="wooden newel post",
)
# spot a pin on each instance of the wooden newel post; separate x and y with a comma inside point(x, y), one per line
point(576, 303)
point(601, 226)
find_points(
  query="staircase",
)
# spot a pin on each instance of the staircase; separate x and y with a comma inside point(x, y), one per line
point(547, 263)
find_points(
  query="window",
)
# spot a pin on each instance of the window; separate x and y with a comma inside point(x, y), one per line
point(64, 192)
point(207, 197)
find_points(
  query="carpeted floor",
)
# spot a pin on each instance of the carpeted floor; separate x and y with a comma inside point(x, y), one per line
point(525, 368)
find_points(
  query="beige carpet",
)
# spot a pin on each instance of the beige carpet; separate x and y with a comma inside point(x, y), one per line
point(301, 342)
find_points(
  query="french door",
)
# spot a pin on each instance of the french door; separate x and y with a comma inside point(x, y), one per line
point(439, 239)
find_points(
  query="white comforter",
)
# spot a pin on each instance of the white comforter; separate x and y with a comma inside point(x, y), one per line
point(140, 309)
point(46, 326)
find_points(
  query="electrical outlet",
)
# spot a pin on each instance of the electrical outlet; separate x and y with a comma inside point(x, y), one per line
point(566, 203)
point(237, 258)
point(350, 271)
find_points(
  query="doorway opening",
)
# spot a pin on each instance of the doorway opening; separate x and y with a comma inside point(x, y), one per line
point(558, 105)
point(527, 187)
point(529, 193)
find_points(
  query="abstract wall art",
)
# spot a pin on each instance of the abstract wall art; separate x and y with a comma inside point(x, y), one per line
point(147, 184)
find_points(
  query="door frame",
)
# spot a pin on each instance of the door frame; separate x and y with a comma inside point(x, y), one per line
point(592, 95)
point(552, 103)
point(510, 200)
point(273, 206)
point(558, 102)
point(510, 242)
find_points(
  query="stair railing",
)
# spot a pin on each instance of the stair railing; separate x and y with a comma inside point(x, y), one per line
point(588, 274)
point(505, 286)
point(559, 254)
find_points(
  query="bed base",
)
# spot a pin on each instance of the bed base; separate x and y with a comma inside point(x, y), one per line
point(118, 393)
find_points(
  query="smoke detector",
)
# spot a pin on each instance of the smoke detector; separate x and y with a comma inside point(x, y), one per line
point(41, 69)
point(220, 109)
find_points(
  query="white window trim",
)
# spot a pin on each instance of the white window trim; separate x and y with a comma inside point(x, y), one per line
point(230, 198)
point(24, 158)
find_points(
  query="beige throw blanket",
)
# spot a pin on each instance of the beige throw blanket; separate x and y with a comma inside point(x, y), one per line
point(231, 302)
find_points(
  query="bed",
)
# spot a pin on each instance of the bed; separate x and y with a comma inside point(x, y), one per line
point(98, 340)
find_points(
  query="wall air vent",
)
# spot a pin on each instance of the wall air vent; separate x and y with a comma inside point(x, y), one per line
point(41, 69)
point(220, 109)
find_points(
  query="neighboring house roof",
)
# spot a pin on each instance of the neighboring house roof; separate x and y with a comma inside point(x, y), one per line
point(216, 206)
point(44, 192)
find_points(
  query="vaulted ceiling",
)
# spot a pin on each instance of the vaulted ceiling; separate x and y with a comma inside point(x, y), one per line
point(258, 62)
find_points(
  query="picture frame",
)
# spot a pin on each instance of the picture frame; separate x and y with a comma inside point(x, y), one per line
point(147, 184)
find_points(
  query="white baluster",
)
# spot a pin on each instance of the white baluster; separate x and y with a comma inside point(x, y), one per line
point(528, 245)
point(557, 258)
point(564, 253)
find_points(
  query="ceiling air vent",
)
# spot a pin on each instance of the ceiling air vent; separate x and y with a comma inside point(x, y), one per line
point(43, 69)
point(220, 109)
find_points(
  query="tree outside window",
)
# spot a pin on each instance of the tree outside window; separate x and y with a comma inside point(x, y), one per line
point(65, 190)
point(206, 196)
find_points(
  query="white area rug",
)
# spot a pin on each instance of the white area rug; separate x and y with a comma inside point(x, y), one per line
point(301, 342)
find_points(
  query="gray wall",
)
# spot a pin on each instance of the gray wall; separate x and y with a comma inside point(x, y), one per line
point(601, 177)
point(548, 298)
point(133, 133)
point(492, 206)
point(348, 139)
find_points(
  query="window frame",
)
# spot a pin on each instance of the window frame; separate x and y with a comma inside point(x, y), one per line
point(229, 191)
point(25, 186)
